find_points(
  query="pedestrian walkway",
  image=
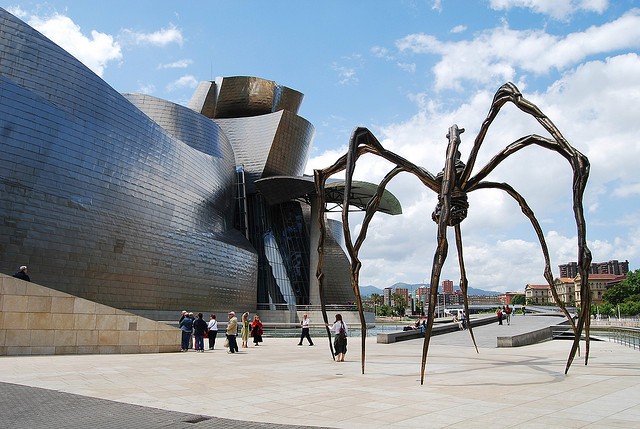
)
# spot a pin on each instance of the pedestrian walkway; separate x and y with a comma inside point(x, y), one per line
point(280, 383)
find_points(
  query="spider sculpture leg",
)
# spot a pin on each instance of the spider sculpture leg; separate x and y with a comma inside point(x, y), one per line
point(463, 282)
point(320, 179)
point(361, 142)
point(580, 166)
point(447, 188)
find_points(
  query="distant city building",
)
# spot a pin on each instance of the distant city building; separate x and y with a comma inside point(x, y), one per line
point(566, 288)
point(570, 270)
point(484, 300)
point(538, 294)
point(507, 298)
point(598, 285)
point(386, 296)
point(447, 287)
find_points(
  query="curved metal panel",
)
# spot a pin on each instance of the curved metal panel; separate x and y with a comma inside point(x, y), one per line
point(242, 96)
point(102, 202)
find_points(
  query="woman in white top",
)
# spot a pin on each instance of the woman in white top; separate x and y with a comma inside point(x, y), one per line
point(213, 331)
point(339, 328)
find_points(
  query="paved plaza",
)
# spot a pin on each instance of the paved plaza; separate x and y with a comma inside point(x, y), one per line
point(280, 384)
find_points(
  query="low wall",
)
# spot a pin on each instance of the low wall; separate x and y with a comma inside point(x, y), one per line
point(35, 320)
point(438, 329)
point(533, 337)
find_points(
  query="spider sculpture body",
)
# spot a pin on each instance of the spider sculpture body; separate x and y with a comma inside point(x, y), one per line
point(452, 185)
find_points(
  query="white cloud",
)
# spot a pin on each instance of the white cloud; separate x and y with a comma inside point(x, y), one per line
point(558, 9)
point(162, 37)
point(187, 81)
point(408, 67)
point(95, 52)
point(498, 54)
point(459, 29)
point(181, 64)
point(346, 75)
point(593, 105)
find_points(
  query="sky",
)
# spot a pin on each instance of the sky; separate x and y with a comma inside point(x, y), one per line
point(408, 70)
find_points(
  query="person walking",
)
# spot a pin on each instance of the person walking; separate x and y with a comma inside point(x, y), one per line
point(507, 311)
point(244, 331)
point(199, 328)
point(256, 330)
point(232, 332)
point(213, 330)
point(22, 274)
point(186, 326)
point(305, 330)
point(499, 314)
point(339, 328)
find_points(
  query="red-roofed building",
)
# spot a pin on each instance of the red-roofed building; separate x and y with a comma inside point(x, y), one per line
point(538, 294)
point(598, 284)
point(566, 287)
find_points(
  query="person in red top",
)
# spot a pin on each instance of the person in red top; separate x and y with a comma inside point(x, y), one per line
point(256, 330)
point(507, 311)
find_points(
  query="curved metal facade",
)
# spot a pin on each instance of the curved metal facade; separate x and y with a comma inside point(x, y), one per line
point(105, 203)
point(131, 201)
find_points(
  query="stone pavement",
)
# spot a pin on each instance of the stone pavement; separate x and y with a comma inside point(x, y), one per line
point(279, 384)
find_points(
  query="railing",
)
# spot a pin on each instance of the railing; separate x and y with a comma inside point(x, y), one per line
point(629, 337)
point(309, 308)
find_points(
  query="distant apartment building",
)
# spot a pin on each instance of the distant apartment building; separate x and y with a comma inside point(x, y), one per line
point(484, 300)
point(570, 270)
point(598, 284)
point(507, 298)
point(538, 294)
point(386, 296)
point(566, 288)
point(403, 292)
point(447, 287)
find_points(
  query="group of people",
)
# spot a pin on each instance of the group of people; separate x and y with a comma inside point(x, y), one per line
point(195, 326)
point(338, 328)
point(254, 329)
point(504, 312)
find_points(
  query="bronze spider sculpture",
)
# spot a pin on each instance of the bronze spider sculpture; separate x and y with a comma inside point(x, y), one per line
point(452, 185)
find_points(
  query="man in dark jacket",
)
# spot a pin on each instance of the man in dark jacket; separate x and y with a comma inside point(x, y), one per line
point(186, 326)
point(199, 328)
point(22, 274)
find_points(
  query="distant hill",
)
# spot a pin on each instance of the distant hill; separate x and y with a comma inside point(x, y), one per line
point(366, 291)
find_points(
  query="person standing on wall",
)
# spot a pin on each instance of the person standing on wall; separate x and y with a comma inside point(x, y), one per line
point(232, 332)
point(305, 330)
point(213, 331)
point(22, 274)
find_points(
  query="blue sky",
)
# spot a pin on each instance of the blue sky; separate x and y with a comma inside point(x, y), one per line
point(408, 70)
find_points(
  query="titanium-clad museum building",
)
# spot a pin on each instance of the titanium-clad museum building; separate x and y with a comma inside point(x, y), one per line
point(149, 206)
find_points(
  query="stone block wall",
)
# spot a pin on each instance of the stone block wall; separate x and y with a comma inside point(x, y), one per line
point(35, 320)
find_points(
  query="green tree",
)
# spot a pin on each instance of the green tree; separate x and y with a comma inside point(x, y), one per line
point(377, 300)
point(625, 296)
point(385, 310)
point(399, 303)
point(518, 300)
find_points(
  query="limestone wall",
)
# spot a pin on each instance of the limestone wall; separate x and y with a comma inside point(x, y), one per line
point(35, 320)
